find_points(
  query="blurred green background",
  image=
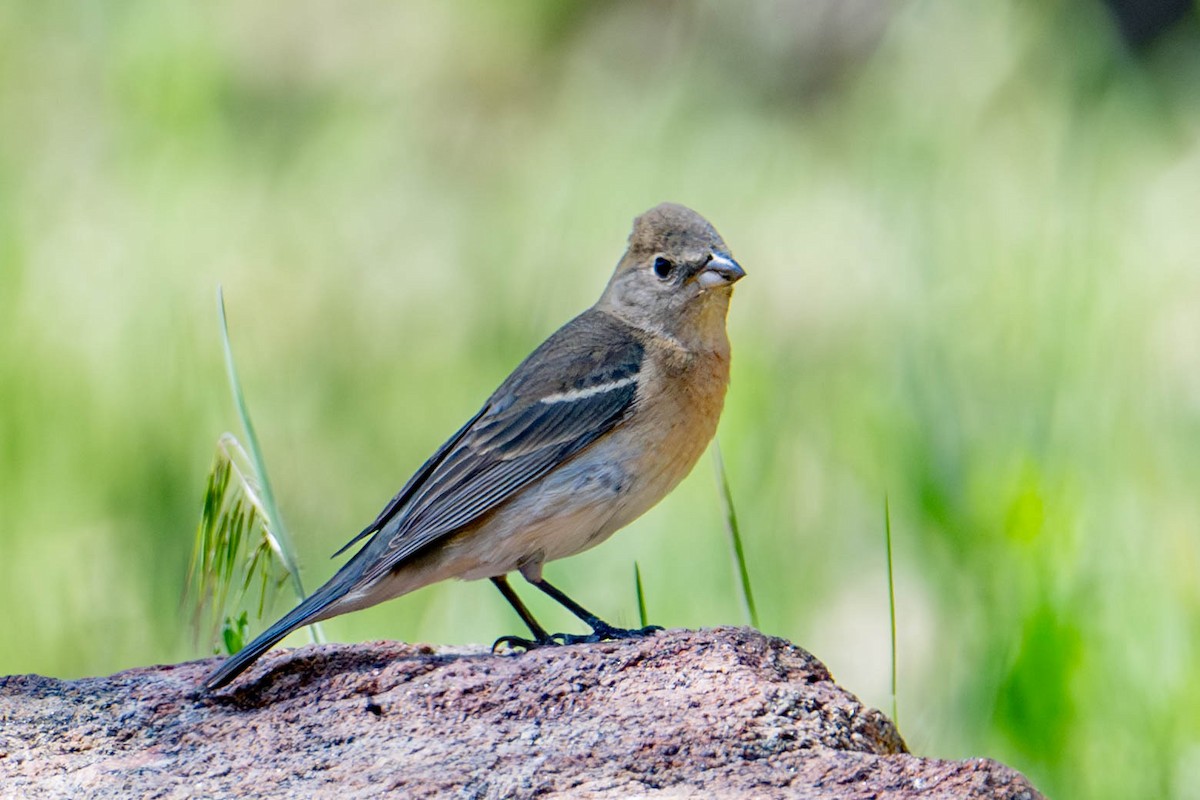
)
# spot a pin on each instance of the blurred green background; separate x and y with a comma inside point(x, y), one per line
point(974, 289)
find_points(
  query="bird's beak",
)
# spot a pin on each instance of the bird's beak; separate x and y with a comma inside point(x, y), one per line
point(720, 271)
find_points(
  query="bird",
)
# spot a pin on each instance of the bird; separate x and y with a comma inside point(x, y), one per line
point(591, 430)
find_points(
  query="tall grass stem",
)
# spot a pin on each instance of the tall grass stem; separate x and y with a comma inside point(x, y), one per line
point(279, 536)
point(887, 535)
point(735, 538)
point(641, 595)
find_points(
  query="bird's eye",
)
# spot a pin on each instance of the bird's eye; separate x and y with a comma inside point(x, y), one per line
point(663, 268)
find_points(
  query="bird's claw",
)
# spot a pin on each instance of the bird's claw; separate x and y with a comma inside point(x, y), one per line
point(520, 643)
point(603, 633)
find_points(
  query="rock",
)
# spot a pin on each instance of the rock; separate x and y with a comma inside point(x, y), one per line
point(716, 713)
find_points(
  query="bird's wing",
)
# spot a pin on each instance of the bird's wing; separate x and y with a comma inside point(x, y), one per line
point(573, 389)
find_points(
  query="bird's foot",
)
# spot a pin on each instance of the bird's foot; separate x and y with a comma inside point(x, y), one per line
point(521, 644)
point(601, 632)
point(605, 632)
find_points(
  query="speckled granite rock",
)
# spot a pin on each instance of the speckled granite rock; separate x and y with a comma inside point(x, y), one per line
point(715, 713)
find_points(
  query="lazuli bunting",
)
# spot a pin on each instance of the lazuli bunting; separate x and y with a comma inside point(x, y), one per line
point(597, 425)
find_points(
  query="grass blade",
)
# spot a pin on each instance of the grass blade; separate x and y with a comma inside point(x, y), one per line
point(641, 595)
point(887, 535)
point(735, 538)
point(281, 541)
point(255, 452)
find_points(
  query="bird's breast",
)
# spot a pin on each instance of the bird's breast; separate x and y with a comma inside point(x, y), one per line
point(677, 415)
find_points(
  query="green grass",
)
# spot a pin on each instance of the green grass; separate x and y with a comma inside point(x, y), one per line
point(241, 537)
point(641, 596)
point(736, 551)
point(971, 284)
point(891, 583)
point(274, 530)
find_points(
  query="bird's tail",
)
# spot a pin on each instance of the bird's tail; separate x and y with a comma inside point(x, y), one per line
point(308, 611)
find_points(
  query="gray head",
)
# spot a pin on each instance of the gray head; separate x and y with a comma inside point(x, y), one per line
point(676, 275)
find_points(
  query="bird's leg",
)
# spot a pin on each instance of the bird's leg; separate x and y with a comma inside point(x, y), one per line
point(540, 637)
point(601, 630)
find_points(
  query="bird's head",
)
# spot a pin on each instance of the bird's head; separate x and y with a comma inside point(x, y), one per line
point(677, 275)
